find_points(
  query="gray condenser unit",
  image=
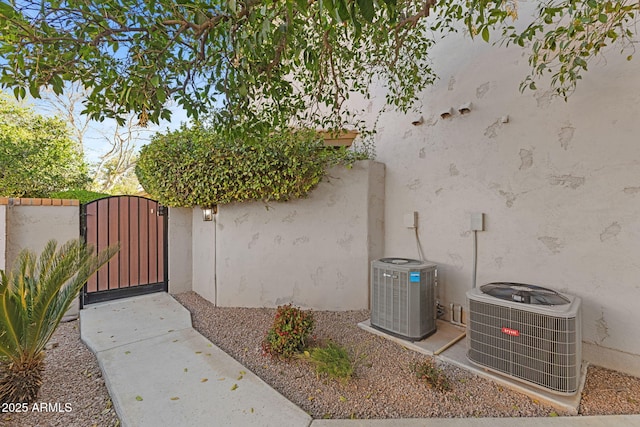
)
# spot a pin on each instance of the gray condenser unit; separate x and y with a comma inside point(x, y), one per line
point(403, 297)
point(527, 332)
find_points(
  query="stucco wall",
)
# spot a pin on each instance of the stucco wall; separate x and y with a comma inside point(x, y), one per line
point(31, 227)
point(180, 246)
point(559, 185)
point(204, 256)
point(314, 252)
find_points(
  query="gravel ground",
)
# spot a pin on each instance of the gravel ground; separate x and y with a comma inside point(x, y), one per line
point(73, 393)
point(383, 386)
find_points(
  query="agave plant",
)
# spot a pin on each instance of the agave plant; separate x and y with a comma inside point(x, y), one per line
point(33, 298)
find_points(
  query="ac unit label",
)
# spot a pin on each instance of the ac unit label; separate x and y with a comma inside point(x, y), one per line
point(511, 332)
point(414, 277)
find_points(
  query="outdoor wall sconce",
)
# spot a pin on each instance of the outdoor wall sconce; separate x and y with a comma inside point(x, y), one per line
point(207, 213)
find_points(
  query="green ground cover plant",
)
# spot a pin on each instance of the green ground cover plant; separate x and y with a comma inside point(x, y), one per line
point(331, 360)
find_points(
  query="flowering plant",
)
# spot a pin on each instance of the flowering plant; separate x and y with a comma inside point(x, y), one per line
point(290, 329)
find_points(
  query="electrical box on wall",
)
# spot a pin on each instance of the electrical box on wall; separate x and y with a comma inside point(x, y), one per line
point(411, 220)
point(477, 221)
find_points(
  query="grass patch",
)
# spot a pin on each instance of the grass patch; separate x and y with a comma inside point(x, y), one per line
point(433, 376)
point(331, 360)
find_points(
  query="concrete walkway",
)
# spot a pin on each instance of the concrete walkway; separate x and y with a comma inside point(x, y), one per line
point(161, 372)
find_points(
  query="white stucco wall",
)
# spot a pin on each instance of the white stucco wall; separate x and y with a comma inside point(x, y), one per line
point(180, 250)
point(313, 252)
point(31, 227)
point(559, 185)
point(204, 255)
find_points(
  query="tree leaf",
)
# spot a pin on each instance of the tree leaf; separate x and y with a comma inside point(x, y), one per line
point(367, 9)
point(485, 34)
point(6, 10)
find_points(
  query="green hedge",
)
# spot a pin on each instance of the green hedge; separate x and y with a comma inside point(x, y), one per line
point(197, 167)
point(85, 196)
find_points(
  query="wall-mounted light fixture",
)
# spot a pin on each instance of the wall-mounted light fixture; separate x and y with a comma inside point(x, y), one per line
point(208, 212)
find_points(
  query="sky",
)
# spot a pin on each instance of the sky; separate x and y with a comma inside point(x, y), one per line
point(99, 136)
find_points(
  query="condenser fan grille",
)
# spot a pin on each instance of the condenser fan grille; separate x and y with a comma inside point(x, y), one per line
point(538, 348)
point(403, 297)
point(391, 301)
point(526, 294)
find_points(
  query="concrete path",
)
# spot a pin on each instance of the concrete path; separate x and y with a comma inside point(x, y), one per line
point(161, 372)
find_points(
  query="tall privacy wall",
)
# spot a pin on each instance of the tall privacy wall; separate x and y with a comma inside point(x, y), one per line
point(558, 182)
point(313, 252)
point(31, 223)
point(180, 250)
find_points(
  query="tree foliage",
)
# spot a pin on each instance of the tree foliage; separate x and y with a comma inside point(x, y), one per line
point(564, 36)
point(256, 62)
point(113, 172)
point(265, 64)
point(198, 167)
point(37, 155)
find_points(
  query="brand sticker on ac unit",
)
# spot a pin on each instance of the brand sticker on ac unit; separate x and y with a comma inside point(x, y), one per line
point(414, 277)
point(511, 332)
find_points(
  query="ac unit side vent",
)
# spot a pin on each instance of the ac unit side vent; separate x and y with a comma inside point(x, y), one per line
point(403, 298)
point(542, 349)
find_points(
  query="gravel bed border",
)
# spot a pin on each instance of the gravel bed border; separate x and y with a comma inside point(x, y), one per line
point(74, 394)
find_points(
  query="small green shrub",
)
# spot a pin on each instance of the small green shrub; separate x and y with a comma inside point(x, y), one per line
point(289, 332)
point(428, 372)
point(332, 360)
point(84, 196)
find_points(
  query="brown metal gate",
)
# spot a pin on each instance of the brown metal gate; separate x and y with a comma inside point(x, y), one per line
point(140, 267)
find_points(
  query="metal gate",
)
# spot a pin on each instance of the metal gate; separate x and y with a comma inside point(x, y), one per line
point(140, 267)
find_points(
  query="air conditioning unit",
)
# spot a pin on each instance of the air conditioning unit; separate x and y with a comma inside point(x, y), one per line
point(403, 297)
point(527, 332)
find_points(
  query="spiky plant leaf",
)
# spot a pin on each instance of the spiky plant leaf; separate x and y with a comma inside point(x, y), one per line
point(33, 299)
